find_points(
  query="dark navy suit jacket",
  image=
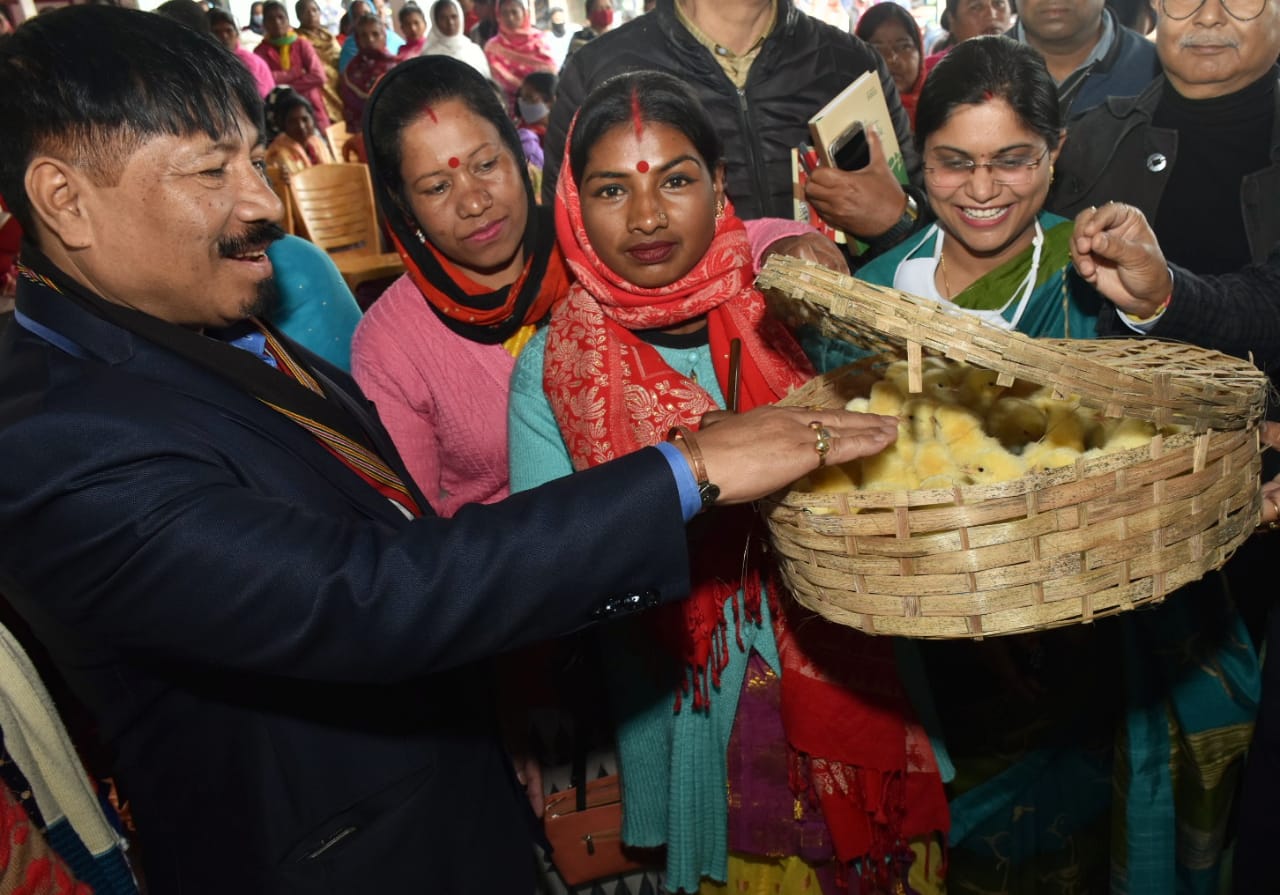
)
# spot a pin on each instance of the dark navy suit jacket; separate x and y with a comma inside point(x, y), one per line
point(284, 665)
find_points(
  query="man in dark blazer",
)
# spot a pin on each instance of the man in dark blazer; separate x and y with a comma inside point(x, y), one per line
point(210, 531)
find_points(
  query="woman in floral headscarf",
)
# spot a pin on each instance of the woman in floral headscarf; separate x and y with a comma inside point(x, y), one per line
point(805, 725)
point(516, 50)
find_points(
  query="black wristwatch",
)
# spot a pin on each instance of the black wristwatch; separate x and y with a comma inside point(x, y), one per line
point(905, 225)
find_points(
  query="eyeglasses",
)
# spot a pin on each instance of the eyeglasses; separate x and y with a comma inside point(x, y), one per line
point(1007, 170)
point(902, 48)
point(1240, 10)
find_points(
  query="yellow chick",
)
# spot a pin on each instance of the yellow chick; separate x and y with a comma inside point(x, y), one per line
point(888, 471)
point(885, 399)
point(994, 464)
point(978, 389)
point(936, 384)
point(891, 469)
point(920, 414)
point(859, 405)
point(1124, 434)
point(935, 467)
point(1044, 455)
point(1064, 427)
point(961, 430)
point(1016, 422)
point(831, 479)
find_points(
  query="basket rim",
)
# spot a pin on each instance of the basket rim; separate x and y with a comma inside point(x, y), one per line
point(1168, 392)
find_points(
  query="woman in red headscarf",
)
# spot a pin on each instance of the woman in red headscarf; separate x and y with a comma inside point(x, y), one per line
point(806, 724)
point(517, 50)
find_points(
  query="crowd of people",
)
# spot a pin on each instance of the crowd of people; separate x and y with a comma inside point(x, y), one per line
point(349, 592)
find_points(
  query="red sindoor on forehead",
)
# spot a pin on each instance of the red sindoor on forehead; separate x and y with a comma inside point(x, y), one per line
point(637, 120)
point(431, 113)
point(636, 117)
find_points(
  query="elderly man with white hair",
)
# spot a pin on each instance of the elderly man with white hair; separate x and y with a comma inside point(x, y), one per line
point(1198, 155)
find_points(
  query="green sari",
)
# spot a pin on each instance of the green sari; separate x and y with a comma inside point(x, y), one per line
point(1096, 758)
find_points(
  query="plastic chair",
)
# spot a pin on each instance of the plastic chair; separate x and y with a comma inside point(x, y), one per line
point(335, 204)
point(337, 135)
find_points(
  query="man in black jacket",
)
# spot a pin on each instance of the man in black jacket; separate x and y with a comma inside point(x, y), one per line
point(761, 68)
point(214, 537)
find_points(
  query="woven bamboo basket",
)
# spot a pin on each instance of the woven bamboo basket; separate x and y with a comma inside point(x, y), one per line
point(1106, 535)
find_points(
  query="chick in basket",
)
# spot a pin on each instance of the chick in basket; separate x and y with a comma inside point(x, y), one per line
point(736, 691)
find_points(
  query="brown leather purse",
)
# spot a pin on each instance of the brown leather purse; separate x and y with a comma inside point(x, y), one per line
point(584, 827)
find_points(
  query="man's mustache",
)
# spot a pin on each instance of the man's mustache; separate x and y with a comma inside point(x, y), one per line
point(258, 236)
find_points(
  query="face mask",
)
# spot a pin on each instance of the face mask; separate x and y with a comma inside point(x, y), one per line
point(601, 19)
point(532, 112)
point(557, 28)
point(256, 21)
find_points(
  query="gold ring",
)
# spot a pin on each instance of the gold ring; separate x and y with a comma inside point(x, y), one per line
point(822, 444)
point(1274, 524)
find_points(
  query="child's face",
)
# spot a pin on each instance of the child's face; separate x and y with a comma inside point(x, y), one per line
point(414, 27)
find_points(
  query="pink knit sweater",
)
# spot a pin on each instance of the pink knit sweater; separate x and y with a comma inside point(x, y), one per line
point(443, 398)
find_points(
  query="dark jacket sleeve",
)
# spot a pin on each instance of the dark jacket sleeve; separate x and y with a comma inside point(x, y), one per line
point(1236, 313)
point(160, 544)
point(571, 90)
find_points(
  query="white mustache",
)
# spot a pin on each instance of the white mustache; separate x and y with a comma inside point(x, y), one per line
point(1194, 40)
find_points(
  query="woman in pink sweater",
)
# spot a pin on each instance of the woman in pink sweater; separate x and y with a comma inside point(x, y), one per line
point(292, 59)
point(436, 351)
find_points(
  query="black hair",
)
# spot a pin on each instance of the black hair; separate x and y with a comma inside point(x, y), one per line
point(219, 16)
point(984, 68)
point(544, 82)
point(275, 4)
point(284, 103)
point(411, 88)
point(410, 9)
point(186, 12)
point(662, 99)
point(439, 4)
point(883, 12)
point(91, 83)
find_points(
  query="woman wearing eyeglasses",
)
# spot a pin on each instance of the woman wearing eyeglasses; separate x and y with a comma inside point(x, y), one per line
point(988, 128)
point(891, 31)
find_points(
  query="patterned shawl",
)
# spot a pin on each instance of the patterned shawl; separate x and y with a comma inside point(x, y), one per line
point(516, 52)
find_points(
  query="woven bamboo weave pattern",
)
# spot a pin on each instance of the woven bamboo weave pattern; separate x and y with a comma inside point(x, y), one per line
point(1159, 381)
point(1107, 534)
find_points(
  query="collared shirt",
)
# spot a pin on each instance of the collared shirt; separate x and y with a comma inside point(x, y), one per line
point(736, 65)
point(1100, 49)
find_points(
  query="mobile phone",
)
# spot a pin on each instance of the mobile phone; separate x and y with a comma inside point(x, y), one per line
point(850, 151)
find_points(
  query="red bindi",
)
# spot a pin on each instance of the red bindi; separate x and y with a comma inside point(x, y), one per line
point(453, 161)
point(642, 166)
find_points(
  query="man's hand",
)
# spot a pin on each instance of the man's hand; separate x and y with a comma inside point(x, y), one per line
point(811, 247)
point(1115, 249)
point(865, 203)
point(753, 454)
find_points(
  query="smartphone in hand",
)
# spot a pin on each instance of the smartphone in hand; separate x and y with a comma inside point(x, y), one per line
point(850, 150)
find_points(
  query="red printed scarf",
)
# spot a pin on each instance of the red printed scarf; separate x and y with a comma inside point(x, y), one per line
point(612, 394)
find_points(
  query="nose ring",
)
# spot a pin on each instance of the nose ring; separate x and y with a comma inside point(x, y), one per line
point(662, 218)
